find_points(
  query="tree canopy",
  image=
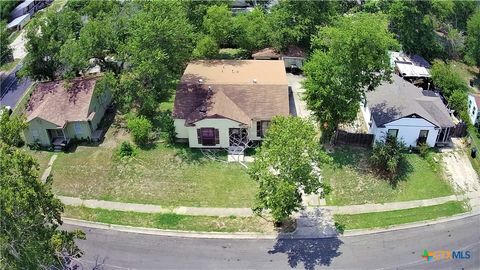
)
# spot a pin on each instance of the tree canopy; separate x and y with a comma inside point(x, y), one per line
point(473, 38)
point(11, 128)
point(30, 216)
point(218, 23)
point(5, 50)
point(350, 58)
point(284, 166)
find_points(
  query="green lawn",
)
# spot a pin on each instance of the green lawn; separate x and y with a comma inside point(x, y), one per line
point(389, 218)
point(353, 182)
point(42, 157)
point(169, 176)
point(9, 66)
point(171, 221)
point(467, 72)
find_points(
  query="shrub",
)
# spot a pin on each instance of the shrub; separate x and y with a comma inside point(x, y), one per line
point(423, 149)
point(387, 156)
point(167, 126)
point(140, 128)
point(126, 149)
point(206, 48)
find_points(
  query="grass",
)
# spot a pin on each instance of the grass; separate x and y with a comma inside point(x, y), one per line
point(475, 143)
point(467, 72)
point(171, 221)
point(353, 182)
point(164, 175)
point(389, 218)
point(42, 157)
point(9, 65)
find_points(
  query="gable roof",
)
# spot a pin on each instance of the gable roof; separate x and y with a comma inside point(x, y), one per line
point(399, 99)
point(51, 102)
point(237, 90)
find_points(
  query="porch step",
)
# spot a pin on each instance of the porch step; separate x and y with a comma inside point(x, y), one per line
point(236, 150)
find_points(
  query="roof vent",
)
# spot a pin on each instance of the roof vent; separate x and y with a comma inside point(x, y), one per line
point(200, 80)
point(254, 80)
point(209, 88)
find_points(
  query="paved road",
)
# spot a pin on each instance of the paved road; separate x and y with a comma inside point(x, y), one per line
point(13, 88)
point(391, 250)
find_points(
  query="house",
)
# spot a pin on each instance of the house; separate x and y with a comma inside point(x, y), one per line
point(293, 56)
point(224, 103)
point(18, 23)
point(473, 105)
point(402, 110)
point(59, 111)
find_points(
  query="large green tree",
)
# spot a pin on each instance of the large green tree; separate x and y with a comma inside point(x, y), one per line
point(11, 128)
point(160, 42)
point(252, 30)
point(284, 166)
point(46, 36)
point(293, 22)
point(5, 50)
point(350, 58)
point(473, 38)
point(447, 79)
point(30, 216)
point(412, 21)
point(218, 23)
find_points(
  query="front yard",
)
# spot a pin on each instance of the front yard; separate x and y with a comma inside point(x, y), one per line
point(353, 182)
point(164, 175)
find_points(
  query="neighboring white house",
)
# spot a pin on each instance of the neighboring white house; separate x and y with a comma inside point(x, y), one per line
point(473, 105)
point(222, 103)
point(404, 111)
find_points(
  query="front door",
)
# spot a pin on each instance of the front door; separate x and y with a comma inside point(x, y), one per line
point(238, 136)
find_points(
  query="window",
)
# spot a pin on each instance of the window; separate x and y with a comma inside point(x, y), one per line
point(392, 133)
point(78, 128)
point(208, 136)
point(422, 136)
point(469, 103)
point(262, 127)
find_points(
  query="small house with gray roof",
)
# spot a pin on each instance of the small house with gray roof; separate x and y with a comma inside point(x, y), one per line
point(402, 110)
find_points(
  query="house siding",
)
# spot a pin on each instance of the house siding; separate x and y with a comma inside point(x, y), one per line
point(472, 109)
point(408, 130)
point(180, 128)
point(99, 105)
point(223, 126)
point(85, 131)
point(41, 127)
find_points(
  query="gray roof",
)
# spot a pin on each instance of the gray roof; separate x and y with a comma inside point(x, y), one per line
point(399, 99)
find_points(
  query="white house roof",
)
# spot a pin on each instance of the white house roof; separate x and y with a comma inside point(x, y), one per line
point(410, 66)
point(17, 21)
point(24, 4)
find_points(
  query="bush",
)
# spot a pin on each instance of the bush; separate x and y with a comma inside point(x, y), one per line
point(423, 150)
point(126, 150)
point(167, 126)
point(206, 48)
point(140, 128)
point(387, 156)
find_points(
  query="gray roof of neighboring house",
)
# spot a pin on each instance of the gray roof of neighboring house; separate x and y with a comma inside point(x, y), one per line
point(24, 4)
point(392, 101)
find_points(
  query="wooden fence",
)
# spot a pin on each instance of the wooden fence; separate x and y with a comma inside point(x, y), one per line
point(357, 139)
point(459, 130)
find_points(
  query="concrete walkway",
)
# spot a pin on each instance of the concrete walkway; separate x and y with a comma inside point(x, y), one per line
point(245, 212)
point(48, 170)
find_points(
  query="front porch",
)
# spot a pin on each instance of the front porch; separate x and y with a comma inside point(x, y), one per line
point(58, 138)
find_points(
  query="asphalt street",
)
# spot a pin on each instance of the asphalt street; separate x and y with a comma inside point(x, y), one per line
point(12, 88)
point(402, 249)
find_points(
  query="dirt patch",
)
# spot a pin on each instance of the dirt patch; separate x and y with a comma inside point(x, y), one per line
point(460, 171)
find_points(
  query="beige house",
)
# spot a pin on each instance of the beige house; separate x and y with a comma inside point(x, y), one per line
point(56, 114)
point(221, 103)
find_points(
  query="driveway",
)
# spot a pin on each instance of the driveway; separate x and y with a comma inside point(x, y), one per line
point(298, 107)
point(12, 88)
point(18, 46)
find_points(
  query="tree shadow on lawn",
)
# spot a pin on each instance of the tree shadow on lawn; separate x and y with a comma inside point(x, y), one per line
point(310, 252)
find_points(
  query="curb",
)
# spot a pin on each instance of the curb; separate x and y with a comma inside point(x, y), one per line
point(256, 236)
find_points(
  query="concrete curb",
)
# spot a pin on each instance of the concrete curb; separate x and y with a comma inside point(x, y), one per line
point(256, 236)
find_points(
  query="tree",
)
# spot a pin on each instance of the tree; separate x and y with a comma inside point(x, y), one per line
point(284, 166)
point(140, 127)
point(293, 22)
point(207, 48)
point(455, 42)
point(252, 30)
point(412, 21)
point(5, 50)
point(6, 7)
point(11, 128)
point(159, 44)
point(458, 101)
point(388, 155)
point(196, 10)
point(445, 78)
point(350, 58)
point(46, 36)
point(473, 38)
point(218, 23)
point(30, 216)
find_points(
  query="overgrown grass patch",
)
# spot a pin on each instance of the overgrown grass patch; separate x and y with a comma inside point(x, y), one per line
point(164, 175)
point(353, 182)
point(171, 221)
point(389, 218)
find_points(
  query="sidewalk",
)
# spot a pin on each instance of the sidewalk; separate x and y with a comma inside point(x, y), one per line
point(246, 212)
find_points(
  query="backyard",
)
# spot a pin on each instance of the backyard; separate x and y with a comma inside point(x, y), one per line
point(166, 175)
point(353, 181)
